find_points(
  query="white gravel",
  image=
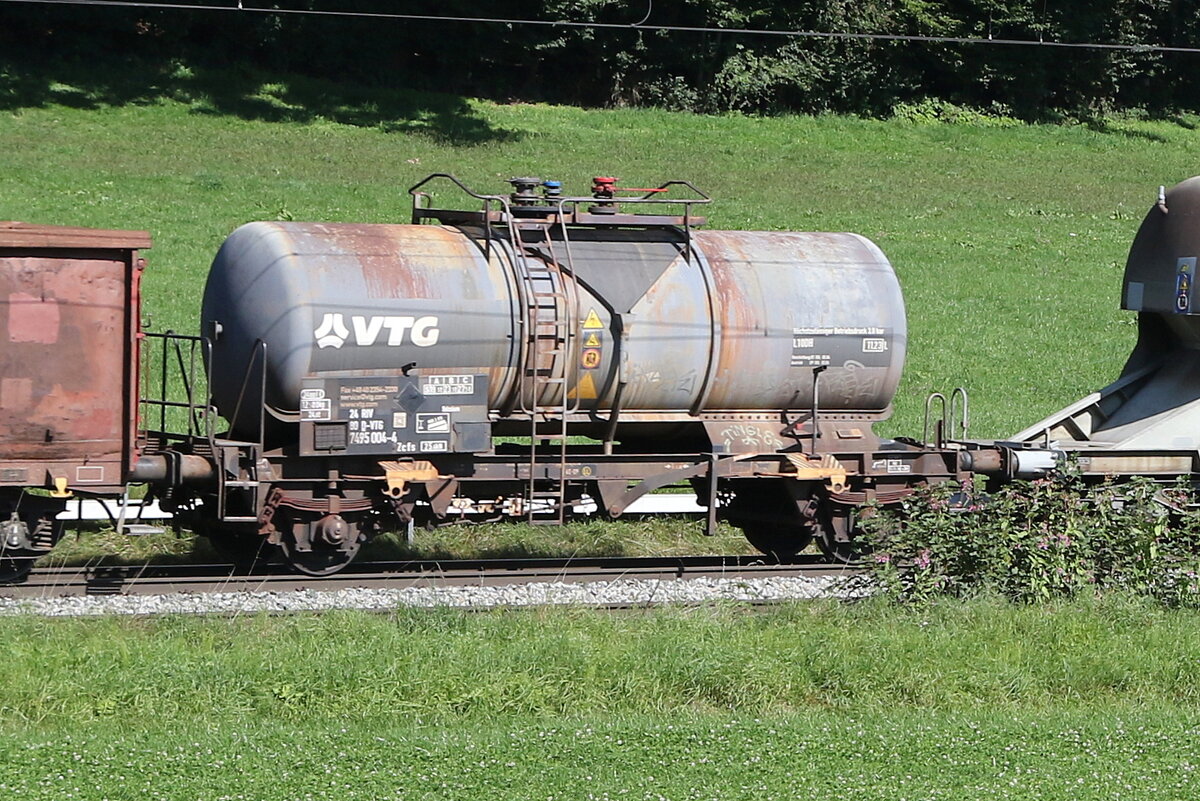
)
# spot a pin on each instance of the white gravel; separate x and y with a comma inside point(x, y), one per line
point(604, 593)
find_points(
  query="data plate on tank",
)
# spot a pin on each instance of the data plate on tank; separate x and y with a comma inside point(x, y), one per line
point(830, 346)
point(379, 415)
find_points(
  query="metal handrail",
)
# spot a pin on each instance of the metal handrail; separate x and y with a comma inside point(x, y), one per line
point(259, 347)
point(173, 345)
point(571, 366)
point(964, 419)
point(652, 197)
point(939, 424)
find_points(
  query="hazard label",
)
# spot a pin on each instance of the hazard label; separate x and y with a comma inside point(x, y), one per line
point(590, 359)
point(592, 341)
point(1185, 272)
point(592, 321)
point(585, 389)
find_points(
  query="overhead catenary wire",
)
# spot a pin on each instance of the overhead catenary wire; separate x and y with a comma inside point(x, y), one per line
point(643, 25)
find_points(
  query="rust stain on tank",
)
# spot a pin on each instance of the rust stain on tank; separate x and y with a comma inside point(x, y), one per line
point(739, 300)
point(775, 289)
point(395, 262)
point(380, 253)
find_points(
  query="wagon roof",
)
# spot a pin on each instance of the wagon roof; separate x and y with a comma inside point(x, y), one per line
point(24, 235)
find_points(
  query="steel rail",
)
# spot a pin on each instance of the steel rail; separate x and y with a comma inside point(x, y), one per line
point(148, 579)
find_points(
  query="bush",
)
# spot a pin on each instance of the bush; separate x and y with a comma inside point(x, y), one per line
point(1057, 537)
point(936, 112)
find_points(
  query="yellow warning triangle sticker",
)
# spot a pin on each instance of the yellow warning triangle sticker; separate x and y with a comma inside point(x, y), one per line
point(592, 341)
point(585, 389)
point(592, 321)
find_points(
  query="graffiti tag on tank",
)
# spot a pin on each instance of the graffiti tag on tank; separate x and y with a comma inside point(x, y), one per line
point(744, 437)
point(852, 384)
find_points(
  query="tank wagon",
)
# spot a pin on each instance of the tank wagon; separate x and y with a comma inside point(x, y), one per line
point(534, 353)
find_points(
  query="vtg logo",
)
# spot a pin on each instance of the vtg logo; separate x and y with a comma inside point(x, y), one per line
point(333, 333)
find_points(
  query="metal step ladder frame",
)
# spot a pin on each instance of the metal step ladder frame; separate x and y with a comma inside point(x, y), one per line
point(248, 453)
point(550, 318)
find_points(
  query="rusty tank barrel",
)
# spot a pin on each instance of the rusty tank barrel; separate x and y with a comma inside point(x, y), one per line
point(664, 322)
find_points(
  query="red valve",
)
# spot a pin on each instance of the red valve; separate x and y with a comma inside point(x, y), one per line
point(604, 187)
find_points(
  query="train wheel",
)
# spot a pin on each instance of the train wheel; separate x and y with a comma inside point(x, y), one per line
point(247, 550)
point(15, 568)
point(781, 540)
point(840, 537)
point(323, 547)
point(28, 529)
point(771, 519)
point(320, 561)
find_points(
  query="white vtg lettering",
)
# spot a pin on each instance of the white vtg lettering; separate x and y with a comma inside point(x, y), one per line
point(332, 332)
point(422, 331)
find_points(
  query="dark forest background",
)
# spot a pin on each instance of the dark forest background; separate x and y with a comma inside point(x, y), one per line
point(117, 54)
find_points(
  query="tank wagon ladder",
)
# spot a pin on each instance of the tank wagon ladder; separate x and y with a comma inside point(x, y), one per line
point(247, 454)
point(549, 317)
point(551, 328)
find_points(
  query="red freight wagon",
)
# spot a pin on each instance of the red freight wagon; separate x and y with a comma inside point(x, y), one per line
point(69, 322)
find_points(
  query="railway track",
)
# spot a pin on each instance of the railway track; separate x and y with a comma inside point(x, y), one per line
point(101, 580)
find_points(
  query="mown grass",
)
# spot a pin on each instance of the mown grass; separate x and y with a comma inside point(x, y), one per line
point(980, 700)
point(1009, 242)
point(653, 536)
point(1061, 757)
point(456, 667)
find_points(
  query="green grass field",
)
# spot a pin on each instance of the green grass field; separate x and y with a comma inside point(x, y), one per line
point(1147, 754)
point(1009, 241)
point(982, 700)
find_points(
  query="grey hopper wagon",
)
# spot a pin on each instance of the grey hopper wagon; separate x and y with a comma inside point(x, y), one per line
point(1147, 422)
